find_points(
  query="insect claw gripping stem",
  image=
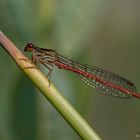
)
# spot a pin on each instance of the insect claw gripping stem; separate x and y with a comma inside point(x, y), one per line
point(27, 60)
point(37, 65)
point(103, 81)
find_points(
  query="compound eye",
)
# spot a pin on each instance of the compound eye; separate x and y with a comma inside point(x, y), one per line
point(29, 47)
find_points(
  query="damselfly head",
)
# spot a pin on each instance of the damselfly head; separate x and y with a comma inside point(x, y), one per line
point(29, 47)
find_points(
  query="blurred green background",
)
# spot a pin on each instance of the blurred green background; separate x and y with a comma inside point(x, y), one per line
point(103, 33)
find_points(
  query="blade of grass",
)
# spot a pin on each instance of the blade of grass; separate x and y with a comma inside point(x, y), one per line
point(50, 92)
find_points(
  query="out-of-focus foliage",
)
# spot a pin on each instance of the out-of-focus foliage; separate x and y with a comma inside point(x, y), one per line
point(102, 33)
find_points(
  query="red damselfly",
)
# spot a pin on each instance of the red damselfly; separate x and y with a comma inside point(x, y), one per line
point(103, 81)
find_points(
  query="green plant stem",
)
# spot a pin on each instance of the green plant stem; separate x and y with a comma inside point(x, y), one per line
point(50, 92)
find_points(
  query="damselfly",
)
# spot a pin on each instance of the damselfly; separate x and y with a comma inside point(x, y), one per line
point(103, 81)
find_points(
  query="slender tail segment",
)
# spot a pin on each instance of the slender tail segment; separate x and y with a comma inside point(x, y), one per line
point(103, 81)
